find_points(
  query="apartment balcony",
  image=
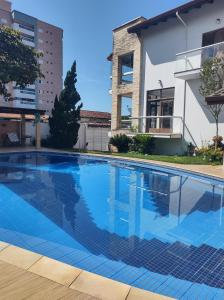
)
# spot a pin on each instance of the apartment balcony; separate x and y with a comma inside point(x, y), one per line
point(28, 30)
point(189, 63)
point(156, 126)
point(24, 98)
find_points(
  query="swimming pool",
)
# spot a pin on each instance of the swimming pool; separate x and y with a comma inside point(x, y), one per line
point(154, 228)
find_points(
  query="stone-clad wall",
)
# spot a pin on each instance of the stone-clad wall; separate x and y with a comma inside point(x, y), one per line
point(124, 43)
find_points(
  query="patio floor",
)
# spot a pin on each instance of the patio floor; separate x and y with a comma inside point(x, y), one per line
point(28, 275)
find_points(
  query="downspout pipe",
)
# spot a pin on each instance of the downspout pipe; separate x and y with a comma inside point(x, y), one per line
point(185, 83)
point(186, 29)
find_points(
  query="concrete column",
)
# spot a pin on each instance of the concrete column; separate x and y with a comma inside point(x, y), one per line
point(38, 130)
point(116, 113)
point(23, 130)
point(38, 135)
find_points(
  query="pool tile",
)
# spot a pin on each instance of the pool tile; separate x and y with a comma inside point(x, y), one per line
point(100, 287)
point(19, 257)
point(55, 270)
point(138, 294)
point(108, 268)
point(150, 281)
point(129, 274)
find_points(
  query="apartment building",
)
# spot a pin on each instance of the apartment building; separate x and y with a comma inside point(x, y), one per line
point(47, 39)
point(156, 66)
point(17, 115)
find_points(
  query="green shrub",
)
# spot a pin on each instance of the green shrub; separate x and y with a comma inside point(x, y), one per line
point(121, 141)
point(217, 140)
point(211, 154)
point(143, 143)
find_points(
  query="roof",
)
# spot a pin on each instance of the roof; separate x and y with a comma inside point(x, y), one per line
point(183, 9)
point(95, 114)
point(20, 110)
point(130, 22)
point(110, 57)
point(7, 116)
point(216, 98)
point(104, 125)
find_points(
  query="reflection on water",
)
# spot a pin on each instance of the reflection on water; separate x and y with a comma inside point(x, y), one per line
point(167, 223)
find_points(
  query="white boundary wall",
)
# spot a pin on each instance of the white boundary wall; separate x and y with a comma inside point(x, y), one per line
point(93, 138)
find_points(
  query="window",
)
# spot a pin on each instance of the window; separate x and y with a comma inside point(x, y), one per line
point(25, 90)
point(126, 112)
point(3, 21)
point(215, 41)
point(25, 100)
point(40, 30)
point(27, 38)
point(126, 68)
point(213, 37)
point(160, 104)
point(27, 27)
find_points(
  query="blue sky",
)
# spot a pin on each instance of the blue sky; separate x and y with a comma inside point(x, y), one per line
point(87, 26)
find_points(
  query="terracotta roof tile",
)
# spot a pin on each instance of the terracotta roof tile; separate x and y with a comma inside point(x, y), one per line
point(95, 114)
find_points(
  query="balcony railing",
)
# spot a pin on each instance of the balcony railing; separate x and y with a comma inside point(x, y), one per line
point(194, 59)
point(154, 124)
point(158, 126)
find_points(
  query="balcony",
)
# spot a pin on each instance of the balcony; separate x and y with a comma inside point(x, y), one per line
point(189, 63)
point(25, 29)
point(156, 126)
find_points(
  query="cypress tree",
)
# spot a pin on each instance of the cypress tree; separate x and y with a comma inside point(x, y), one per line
point(64, 122)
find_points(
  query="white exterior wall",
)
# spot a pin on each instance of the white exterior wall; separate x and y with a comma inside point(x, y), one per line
point(161, 43)
point(30, 130)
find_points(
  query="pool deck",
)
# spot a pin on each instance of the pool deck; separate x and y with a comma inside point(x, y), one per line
point(28, 275)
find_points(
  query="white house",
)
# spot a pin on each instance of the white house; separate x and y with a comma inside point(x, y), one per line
point(156, 68)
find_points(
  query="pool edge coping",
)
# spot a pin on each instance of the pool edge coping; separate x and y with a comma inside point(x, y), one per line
point(81, 280)
point(187, 168)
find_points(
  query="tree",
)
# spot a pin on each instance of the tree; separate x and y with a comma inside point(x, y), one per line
point(18, 62)
point(212, 77)
point(64, 123)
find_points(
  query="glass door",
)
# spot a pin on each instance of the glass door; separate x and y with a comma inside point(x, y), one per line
point(152, 110)
point(166, 110)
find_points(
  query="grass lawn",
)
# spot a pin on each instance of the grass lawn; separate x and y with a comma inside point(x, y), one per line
point(188, 160)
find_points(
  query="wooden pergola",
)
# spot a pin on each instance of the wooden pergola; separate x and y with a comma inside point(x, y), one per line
point(23, 115)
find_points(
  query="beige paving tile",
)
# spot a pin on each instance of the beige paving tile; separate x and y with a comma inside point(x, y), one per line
point(19, 257)
point(100, 287)
point(55, 270)
point(138, 294)
point(20, 284)
point(3, 245)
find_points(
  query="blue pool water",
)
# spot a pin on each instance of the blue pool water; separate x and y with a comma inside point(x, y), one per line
point(153, 228)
